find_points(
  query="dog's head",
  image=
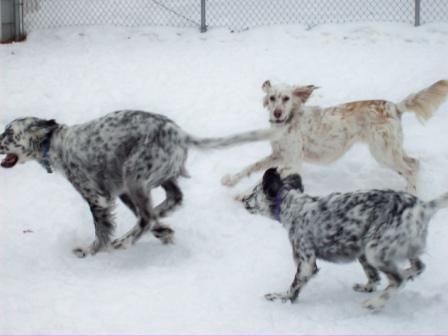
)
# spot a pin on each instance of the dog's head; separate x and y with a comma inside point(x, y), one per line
point(282, 100)
point(22, 140)
point(263, 198)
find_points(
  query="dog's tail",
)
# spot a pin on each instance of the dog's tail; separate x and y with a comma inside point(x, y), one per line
point(210, 143)
point(438, 203)
point(425, 102)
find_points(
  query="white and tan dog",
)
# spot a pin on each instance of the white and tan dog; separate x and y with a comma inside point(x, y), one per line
point(322, 135)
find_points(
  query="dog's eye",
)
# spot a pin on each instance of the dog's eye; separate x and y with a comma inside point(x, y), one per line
point(272, 98)
point(285, 99)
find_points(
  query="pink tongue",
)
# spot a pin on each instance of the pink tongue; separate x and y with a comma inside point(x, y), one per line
point(9, 161)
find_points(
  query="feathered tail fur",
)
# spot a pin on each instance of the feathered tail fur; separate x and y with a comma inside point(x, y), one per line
point(425, 102)
point(222, 142)
point(439, 203)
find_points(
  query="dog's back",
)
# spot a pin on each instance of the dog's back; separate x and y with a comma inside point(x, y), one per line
point(102, 146)
point(343, 225)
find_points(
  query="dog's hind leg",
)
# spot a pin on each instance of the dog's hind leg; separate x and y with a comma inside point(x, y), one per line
point(141, 200)
point(126, 199)
point(395, 281)
point(139, 183)
point(386, 146)
point(417, 268)
point(173, 199)
point(372, 276)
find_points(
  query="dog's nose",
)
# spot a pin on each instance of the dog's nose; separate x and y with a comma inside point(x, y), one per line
point(277, 113)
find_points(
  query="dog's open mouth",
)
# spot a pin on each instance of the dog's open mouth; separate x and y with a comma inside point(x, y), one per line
point(276, 121)
point(10, 160)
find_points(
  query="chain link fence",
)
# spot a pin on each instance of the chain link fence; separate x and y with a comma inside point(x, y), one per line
point(236, 15)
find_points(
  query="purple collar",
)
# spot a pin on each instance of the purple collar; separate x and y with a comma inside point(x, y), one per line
point(278, 201)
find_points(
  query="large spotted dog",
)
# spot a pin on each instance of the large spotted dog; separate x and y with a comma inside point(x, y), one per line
point(377, 227)
point(124, 154)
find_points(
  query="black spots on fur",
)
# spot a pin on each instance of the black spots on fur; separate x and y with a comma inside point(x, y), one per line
point(353, 238)
point(73, 166)
point(322, 207)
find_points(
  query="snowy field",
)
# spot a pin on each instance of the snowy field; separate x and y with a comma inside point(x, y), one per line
point(212, 280)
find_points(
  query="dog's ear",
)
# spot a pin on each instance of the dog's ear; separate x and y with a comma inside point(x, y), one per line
point(295, 181)
point(48, 124)
point(304, 92)
point(272, 182)
point(266, 87)
point(43, 127)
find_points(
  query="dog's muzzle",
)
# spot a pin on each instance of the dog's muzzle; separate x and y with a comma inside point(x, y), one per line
point(9, 161)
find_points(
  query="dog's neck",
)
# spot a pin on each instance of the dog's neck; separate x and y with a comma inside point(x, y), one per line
point(44, 160)
point(278, 200)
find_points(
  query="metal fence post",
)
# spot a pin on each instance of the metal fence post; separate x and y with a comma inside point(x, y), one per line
point(417, 13)
point(203, 18)
point(18, 20)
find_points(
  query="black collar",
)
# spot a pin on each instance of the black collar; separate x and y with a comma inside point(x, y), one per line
point(278, 201)
point(45, 148)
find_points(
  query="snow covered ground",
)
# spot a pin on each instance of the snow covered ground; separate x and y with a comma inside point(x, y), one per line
point(212, 280)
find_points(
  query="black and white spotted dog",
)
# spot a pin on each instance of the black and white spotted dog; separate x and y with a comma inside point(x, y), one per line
point(124, 154)
point(379, 227)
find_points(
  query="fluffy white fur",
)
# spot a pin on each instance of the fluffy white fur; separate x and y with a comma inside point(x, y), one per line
point(323, 135)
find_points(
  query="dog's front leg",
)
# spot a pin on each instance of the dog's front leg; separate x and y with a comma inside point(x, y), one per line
point(293, 158)
point(268, 162)
point(305, 270)
point(102, 218)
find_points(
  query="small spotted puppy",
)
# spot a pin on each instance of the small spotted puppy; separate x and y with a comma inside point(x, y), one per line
point(124, 154)
point(322, 135)
point(379, 228)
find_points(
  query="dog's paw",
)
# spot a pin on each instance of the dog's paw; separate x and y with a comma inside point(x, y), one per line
point(228, 181)
point(121, 243)
point(239, 197)
point(284, 297)
point(80, 252)
point(374, 304)
point(92, 249)
point(367, 288)
point(164, 233)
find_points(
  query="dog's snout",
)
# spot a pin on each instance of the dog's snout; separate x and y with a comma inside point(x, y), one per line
point(277, 113)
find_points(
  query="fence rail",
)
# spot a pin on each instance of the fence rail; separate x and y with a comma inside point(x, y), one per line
point(236, 15)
